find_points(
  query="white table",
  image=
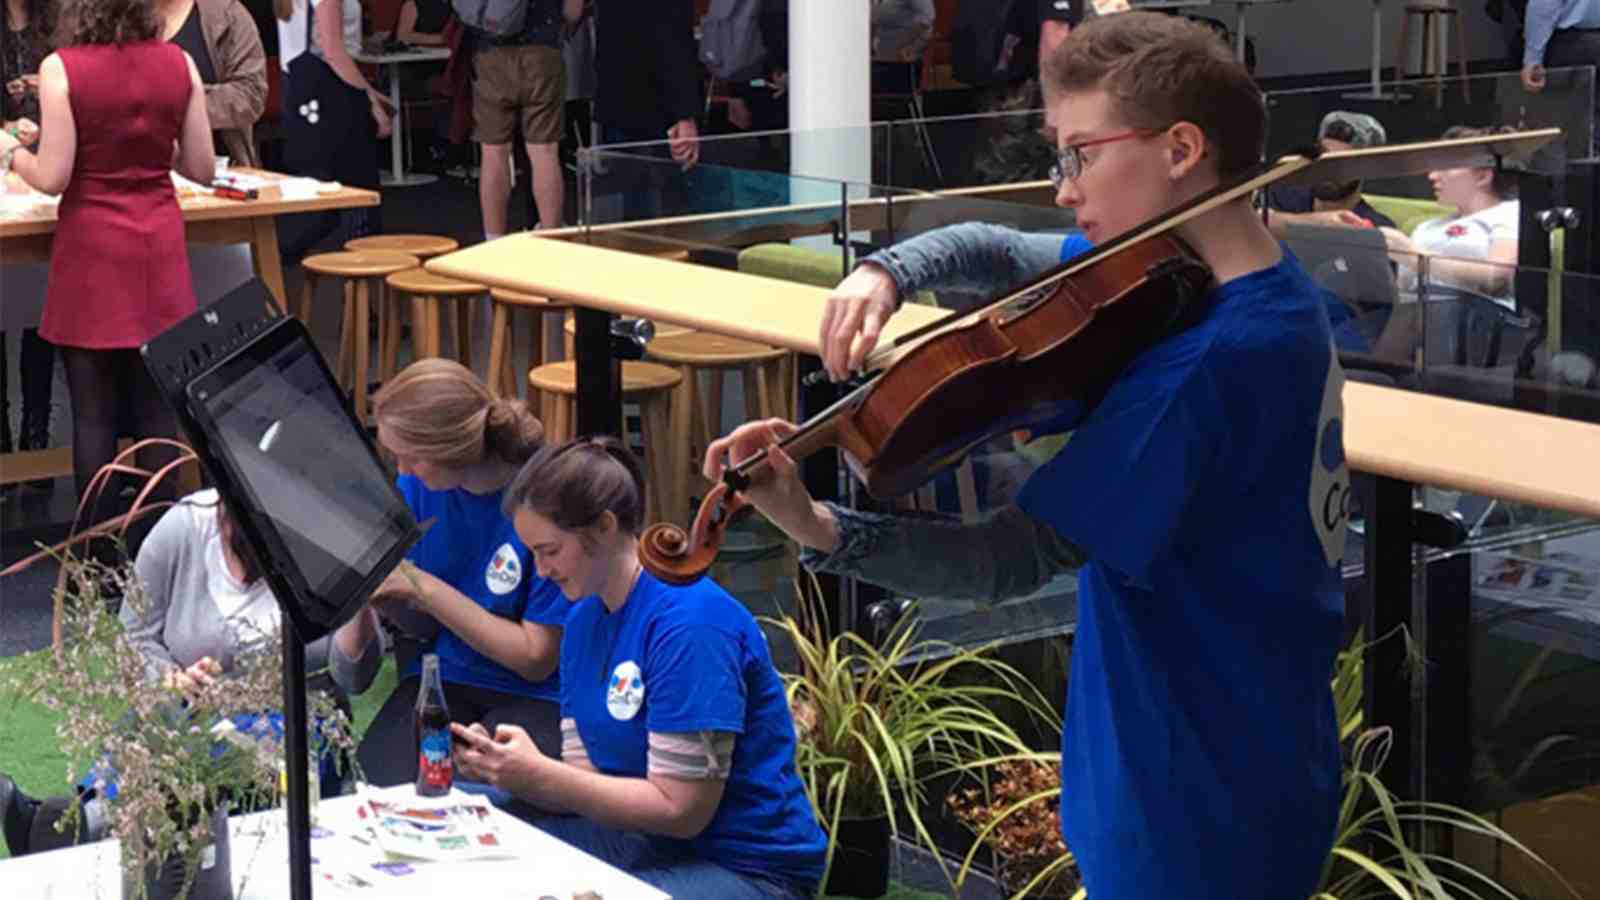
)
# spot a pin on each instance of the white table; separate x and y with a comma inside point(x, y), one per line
point(396, 176)
point(543, 865)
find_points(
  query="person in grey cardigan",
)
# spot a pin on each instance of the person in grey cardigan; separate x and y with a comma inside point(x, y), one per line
point(203, 605)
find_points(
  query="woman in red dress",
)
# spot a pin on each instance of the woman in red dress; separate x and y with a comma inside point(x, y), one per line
point(115, 100)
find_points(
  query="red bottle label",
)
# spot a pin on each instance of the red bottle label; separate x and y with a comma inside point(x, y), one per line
point(434, 767)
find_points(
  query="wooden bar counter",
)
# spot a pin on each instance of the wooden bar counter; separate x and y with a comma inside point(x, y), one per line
point(1452, 444)
point(207, 220)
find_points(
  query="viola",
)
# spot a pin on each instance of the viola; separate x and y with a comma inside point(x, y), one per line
point(1038, 353)
point(1054, 345)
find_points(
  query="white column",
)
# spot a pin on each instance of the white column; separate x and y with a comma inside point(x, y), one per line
point(830, 88)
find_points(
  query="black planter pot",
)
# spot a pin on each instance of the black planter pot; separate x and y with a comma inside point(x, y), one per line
point(860, 859)
point(1014, 878)
point(213, 881)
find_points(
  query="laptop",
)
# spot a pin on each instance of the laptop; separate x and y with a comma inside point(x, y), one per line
point(1352, 263)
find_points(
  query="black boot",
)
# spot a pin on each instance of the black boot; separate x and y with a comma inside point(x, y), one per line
point(34, 434)
point(37, 368)
point(16, 815)
point(5, 398)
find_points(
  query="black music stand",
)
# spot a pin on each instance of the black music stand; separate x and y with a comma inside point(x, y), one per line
point(318, 509)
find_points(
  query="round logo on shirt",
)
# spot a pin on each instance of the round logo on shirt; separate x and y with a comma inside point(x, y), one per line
point(1329, 500)
point(504, 572)
point(625, 691)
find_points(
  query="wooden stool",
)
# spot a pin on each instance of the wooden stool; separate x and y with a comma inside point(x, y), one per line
point(363, 272)
point(422, 246)
point(762, 368)
point(1435, 59)
point(647, 384)
point(427, 291)
point(502, 375)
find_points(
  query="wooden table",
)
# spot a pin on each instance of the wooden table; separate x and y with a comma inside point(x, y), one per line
point(1452, 444)
point(1514, 455)
point(207, 220)
point(766, 310)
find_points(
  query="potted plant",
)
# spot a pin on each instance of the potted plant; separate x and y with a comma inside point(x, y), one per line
point(1370, 857)
point(874, 724)
point(1017, 816)
point(169, 764)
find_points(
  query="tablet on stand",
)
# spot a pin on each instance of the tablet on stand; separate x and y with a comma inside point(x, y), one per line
point(301, 477)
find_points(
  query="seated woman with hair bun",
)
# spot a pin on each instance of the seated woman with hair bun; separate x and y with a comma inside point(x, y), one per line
point(498, 631)
point(677, 752)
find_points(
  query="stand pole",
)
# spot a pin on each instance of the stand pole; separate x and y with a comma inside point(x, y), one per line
point(298, 800)
point(1377, 46)
point(1376, 90)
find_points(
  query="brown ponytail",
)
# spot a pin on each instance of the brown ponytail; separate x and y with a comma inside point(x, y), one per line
point(576, 483)
point(439, 411)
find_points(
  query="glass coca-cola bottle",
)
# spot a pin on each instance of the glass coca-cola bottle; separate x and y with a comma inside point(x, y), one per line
point(435, 771)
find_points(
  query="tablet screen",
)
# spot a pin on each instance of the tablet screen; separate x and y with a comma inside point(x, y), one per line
point(278, 421)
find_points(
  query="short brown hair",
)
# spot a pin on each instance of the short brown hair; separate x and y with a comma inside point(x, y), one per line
point(1504, 185)
point(576, 483)
point(440, 411)
point(1160, 70)
point(108, 22)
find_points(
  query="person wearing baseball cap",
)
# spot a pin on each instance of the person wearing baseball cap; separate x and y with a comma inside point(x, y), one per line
point(1331, 202)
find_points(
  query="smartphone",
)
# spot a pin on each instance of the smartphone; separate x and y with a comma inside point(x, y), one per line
point(475, 742)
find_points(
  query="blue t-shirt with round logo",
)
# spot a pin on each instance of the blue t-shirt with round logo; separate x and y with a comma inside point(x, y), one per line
point(1200, 755)
point(690, 658)
point(474, 548)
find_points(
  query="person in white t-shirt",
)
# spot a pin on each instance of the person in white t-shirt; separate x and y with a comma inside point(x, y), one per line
point(1475, 249)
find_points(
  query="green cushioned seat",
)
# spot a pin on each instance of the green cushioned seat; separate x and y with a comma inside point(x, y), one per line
point(805, 266)
point(1407, 212)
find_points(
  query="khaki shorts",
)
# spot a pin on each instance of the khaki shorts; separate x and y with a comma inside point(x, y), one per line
point(529, 82)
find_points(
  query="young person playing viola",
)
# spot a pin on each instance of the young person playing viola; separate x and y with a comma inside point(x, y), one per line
point(1201, 502)
point(677, 748)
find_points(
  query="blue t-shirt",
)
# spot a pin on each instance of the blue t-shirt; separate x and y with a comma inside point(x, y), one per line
point(1200, 754)
point(686, 659)
point(474, 548)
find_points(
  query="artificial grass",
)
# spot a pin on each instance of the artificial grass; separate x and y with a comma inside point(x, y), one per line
point(29, 750)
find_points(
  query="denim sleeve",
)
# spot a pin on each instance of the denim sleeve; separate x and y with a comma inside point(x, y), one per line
point(1538, 26)
point(1004, 554)
point(973, 256)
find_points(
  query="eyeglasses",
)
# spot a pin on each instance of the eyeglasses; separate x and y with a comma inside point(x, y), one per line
point(1070, 162)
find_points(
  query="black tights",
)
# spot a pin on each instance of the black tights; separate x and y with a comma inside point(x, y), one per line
point(112, 395)
point(36, 369)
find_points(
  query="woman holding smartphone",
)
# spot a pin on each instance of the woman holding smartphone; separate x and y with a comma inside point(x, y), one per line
point(677, 747)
